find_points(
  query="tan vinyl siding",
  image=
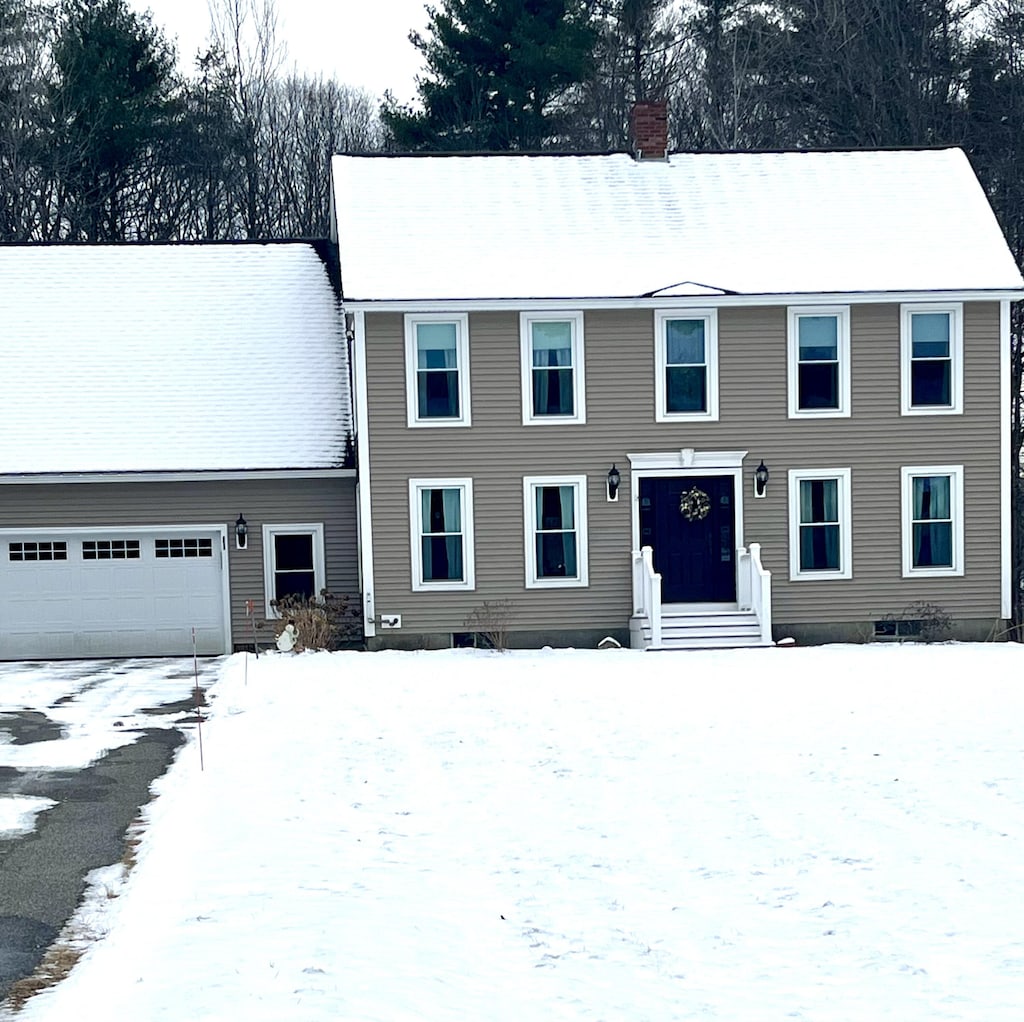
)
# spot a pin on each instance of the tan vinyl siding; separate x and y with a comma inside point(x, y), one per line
point(498, 451)
point(218, 502)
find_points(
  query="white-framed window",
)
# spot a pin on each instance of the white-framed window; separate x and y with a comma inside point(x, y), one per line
point(932, 513)
point(686, 381)
point(293, 562)
point(441, 534)
point(931, 359)
point(437, 370)
point(820, 524)
point(551, 360)
point(555, 518)
point(818, 347)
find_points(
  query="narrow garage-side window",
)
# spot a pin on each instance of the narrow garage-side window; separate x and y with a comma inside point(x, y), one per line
point(294, 572)
point(293, 562)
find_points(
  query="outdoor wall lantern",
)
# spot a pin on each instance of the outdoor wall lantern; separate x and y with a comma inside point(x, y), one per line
point(613, 483)
point(760, 480)
point(241, 533)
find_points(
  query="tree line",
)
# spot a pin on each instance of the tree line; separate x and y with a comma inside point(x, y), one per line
point(102, 139)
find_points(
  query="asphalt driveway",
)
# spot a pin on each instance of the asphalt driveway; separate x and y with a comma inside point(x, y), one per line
point(90, 737)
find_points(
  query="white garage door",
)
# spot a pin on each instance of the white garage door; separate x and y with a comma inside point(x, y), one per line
point(106, 592)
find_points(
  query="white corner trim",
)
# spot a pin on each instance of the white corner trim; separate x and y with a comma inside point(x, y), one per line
point(1005, 468)
point(364, 516)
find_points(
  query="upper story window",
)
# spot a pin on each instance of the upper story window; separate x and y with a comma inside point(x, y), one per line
point(441, 525)
point(931, 359)
point(932, 520)
point(819, 361)
point(552, 367)
point(686, 384)
point(437, 370)
point(820, 541)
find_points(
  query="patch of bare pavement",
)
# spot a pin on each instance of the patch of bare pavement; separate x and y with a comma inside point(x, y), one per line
point(42, 873)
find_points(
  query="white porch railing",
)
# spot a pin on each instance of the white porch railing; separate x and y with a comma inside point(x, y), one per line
point(646, 599)
point(758, 584)
point(753, 595)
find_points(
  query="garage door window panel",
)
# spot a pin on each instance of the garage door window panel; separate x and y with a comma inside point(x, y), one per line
point(43, 551)
point(111, 550)
point(185, 547)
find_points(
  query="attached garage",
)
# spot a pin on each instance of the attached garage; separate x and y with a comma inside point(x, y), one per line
point(113, 592)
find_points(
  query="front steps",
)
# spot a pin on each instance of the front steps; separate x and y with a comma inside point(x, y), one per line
point(703, 629)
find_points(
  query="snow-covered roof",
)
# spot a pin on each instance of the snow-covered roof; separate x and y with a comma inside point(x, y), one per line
point(515, 226)
point(150, 358)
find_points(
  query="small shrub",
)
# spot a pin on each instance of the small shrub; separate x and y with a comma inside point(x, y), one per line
point(491, 622)
point(326, 621)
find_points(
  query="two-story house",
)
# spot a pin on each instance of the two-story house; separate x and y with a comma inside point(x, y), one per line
point(694, 399)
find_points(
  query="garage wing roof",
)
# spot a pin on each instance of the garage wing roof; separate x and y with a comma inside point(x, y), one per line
point(515, 226)
point(149, 358)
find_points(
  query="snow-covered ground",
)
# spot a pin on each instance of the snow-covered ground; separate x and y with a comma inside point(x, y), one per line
point(817, 834)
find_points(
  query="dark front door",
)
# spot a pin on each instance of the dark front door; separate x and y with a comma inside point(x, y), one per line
point(690, 524)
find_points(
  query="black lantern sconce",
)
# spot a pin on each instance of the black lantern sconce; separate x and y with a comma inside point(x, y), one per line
point(761, 480)
point(613, 483)
point(241, 533)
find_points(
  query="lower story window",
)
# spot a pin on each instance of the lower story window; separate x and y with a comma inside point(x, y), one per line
point(819, 516)
point(293, 562)
point(933, 526)
point(441, 533)
point(556, 530)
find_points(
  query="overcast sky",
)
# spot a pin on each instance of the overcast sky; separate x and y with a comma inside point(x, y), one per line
point(360, 42)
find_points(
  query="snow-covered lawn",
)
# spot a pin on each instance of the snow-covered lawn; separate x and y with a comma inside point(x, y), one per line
point(817, 834)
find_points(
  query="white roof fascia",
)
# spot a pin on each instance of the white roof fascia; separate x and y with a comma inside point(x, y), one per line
point(175, 477)
point(677, 301)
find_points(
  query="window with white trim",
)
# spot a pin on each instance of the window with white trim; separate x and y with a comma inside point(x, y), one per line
point(551, 360)
point(555, 515)
point(686, 384)
point(441, 534)
point(818, 345)
point(820, 527)
point(437, 370)
point(293, 563)
point(931, 359)
point(932, 515)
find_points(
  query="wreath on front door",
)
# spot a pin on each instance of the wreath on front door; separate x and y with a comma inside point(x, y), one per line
point(694, 505)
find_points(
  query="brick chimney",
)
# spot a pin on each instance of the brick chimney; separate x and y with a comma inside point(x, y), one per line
point(648, 123)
